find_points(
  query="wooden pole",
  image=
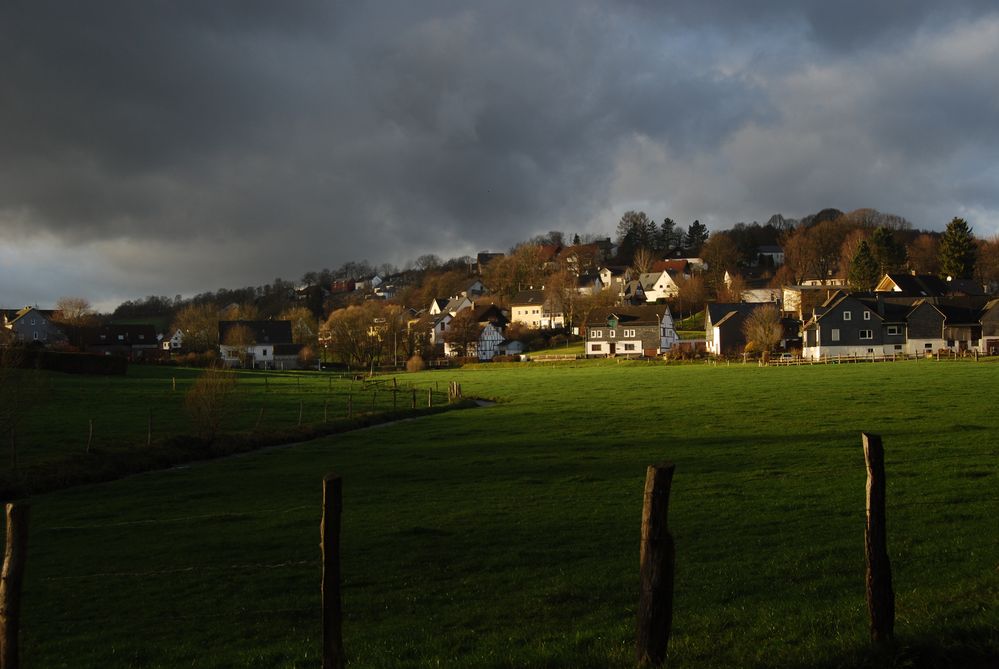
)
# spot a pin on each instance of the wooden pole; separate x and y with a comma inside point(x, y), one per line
point(430, 397)
point(657, 559)
point(267, 385)
point(174, 384)
point(15, 555)
point(880, 596)
point(300, 403)
point(333, 656)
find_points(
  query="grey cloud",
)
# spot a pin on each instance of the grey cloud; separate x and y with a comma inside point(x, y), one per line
point(291, 136)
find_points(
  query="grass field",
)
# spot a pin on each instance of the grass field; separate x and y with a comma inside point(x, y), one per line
point(508, 536)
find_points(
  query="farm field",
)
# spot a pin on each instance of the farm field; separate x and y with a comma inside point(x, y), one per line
point(507, 536)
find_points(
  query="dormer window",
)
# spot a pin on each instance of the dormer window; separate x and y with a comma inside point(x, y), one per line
point(847, 315)
point(867, 315)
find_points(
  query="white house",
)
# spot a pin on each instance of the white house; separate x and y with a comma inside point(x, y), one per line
point(658, 286)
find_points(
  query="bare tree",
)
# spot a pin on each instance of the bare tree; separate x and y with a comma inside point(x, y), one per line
point(643, 260)
point(73, 311)
point(210, 400)
point(200, 325)
point(463, 332)
point(763, 328)
point(357, 334)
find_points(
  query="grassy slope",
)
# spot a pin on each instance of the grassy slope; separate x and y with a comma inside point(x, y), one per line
point(507, 536)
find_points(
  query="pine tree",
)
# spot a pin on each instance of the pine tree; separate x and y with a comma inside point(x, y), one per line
point(958, 250)
point(889, 254)
point(697, 234)
point(864, 270)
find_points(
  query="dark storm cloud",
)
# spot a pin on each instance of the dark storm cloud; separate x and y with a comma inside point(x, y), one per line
point(186, 146)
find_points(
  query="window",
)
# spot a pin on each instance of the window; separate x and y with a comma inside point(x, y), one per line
point(834, 334)
point(847, 315)
point(612, 333)
point(870, 350)
point(36, 336)
point(263, 351)
point(629, 347)
point(597, 334)
point(894, 330)
point(867, 315)
point(629, 333)
point(898, 347)
point(928, 347)
point(866, 334)
point(596, 348)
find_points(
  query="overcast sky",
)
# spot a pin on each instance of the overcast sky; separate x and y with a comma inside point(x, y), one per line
point(176, 147)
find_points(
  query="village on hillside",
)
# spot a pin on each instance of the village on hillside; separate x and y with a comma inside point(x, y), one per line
point(862, 285)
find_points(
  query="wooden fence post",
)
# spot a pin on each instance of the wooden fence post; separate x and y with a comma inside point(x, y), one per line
point(350, 407)
point(430, 397)
point(14, 558)
point(174, 384)
point(300, 403)
point(880, 596)
point(657, 559)
point(414, 398)
point(333, 656)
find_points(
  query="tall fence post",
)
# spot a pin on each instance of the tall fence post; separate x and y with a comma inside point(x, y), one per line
point(14, 558)
point(657, 560)
point(333, 656)
point(880, 596)
point(430, 397)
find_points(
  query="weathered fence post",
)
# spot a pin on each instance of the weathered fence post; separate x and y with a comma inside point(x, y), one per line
point(430, 397)
point(655, 602)
point(267, 385)
point(333, 656)
point(14, 558)
point(174, 383)
point(880, 596)
point(300, 403)
point(350, 406)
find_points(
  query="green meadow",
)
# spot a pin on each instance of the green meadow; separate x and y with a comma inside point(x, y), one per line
point(507, 536)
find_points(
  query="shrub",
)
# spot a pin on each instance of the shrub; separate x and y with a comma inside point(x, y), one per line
point(209, 400)
point(415, 364)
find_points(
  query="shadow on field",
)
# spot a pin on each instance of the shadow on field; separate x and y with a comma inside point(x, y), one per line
point(973, 648)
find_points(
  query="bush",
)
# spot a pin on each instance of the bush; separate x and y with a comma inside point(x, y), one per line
point(416, 364)
point(209, 400)
point(506, 358)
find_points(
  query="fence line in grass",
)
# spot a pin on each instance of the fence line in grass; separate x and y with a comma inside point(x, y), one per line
point(656, 564)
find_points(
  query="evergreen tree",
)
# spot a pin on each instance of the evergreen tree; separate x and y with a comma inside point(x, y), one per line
point(889, 254)
point(864, 270)
point(697, 234)
point(958, 250)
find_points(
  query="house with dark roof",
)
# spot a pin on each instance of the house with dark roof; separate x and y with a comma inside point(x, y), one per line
point(643, 331)
point(132, 341)
point(990, 327)
point(252, 344)
point(32, 325)
point(723, 322)
point(535, 309)
point(927, 285)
